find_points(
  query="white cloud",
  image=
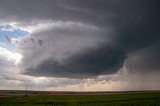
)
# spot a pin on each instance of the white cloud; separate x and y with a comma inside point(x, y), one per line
point(10, 56)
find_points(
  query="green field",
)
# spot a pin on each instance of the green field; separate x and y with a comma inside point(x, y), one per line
point(17, 98)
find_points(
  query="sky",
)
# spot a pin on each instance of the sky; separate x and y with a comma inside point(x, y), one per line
point(80, 45)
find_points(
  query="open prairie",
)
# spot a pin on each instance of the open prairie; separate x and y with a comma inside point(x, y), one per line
point(44, 98)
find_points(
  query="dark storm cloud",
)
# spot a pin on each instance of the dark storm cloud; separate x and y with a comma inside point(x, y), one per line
point(133, 25)
point(104, 60)
point(58, 10)
point(61, 46)
point(146, 60)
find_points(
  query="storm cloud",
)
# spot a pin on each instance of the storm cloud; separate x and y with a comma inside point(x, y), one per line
point(82, 39)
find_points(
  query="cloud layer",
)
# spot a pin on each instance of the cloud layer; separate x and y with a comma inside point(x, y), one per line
point(77, 39)
point(75, 46)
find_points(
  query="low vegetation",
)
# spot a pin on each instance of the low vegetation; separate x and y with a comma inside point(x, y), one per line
point(80, 99)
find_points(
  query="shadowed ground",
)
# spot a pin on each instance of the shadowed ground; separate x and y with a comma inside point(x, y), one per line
point(42, 98)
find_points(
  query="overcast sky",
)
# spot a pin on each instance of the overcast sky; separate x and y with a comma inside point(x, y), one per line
point(81, 45)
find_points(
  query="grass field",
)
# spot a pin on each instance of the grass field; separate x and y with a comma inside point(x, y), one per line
point(35, 98)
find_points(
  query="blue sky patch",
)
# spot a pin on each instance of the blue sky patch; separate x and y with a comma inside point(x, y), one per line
point(12, 32)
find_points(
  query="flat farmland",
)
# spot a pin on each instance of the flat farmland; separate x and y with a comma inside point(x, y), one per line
point(44, 98)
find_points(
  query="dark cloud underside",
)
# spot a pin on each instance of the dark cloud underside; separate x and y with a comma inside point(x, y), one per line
point(105, 33)
point(104, 60)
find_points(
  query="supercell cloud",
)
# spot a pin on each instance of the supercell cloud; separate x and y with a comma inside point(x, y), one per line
point(77, 39)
